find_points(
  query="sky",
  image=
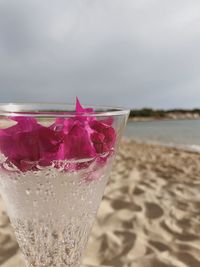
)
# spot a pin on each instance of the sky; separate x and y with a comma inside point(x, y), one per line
point(131, 53)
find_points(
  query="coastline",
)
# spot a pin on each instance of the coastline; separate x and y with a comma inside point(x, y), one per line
point(170, 118)
point(151, 208)
point(182, 134)
point(146, 114)
point(186, 148)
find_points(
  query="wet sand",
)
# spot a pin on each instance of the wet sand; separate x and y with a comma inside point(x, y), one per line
point(150, 211)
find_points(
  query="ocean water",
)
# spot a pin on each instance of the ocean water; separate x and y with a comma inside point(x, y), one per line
point(181, 133)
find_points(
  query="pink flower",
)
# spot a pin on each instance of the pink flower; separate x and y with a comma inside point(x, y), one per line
point(80, 109)
point(76, 142)
point(29, 143)
point(103, 136)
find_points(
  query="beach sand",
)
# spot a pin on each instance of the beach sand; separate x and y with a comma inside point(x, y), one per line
point(149, 216)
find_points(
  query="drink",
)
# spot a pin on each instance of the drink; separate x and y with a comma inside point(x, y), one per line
point(52, 201)
point(50, 229)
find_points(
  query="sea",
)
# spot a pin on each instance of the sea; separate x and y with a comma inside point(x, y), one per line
point(176, 133)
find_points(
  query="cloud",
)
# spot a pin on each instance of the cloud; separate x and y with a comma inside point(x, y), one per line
point(131, 53)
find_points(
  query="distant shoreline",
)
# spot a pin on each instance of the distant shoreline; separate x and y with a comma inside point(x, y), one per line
point(179, 132)
point(149, 114)
point(181, 147)
point(167, 118)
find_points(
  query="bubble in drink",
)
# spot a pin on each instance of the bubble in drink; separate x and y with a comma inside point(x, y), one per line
point(52, 221)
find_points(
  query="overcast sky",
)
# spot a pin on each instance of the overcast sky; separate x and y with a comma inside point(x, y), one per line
point(131, 53)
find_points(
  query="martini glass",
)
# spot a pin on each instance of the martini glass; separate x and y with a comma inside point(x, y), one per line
point(54, 166)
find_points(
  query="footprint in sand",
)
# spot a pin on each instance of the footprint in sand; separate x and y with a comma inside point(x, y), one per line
point(153, 211)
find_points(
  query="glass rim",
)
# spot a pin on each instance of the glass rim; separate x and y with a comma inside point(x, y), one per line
point(57, 109)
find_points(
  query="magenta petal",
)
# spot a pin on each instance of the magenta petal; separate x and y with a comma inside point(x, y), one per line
point(110, 137)
point(108, 121)
point(26, 165)
point(49, 143)
point(79, 108)
point(25, 124)
point(28, 144)
point(19, 147)
point(68, 125)
point(106, 143)
point(57, 125)
point(24, 120)
point(98, 141)
point(77, 144)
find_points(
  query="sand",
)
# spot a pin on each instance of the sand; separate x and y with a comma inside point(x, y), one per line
point(149, 216)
